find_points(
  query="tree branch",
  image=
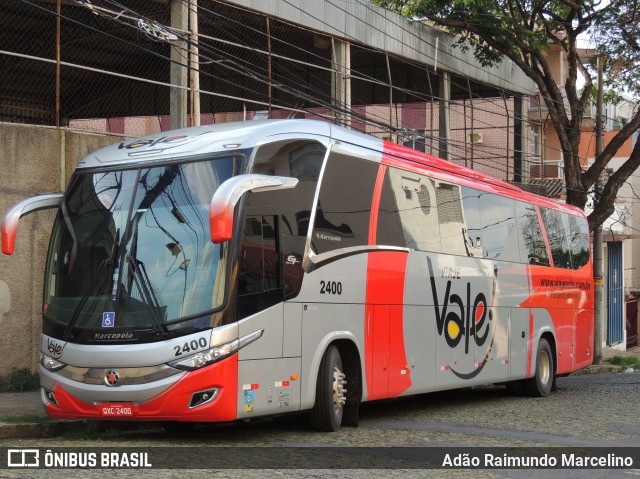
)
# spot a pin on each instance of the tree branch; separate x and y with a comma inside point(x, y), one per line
point(605, 206)
point(599, 164)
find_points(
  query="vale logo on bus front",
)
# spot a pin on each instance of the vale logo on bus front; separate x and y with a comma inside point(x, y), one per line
point(462, 316)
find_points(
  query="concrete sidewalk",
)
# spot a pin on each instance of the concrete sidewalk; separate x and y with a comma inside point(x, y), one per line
point(21, 404)
point(29, 404)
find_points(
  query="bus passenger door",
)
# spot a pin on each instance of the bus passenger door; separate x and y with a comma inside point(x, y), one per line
point(259, 284)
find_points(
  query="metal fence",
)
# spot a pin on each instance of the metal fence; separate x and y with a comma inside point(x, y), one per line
point(105, 66)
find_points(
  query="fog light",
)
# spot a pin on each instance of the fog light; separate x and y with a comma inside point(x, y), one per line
point(203, 397)
point(51, 398)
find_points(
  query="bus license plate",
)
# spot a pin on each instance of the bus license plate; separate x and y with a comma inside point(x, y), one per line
point(116, 410)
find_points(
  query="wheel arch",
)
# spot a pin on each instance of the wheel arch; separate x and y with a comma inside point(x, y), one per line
point(551, 339)
point(352, 365)
point(351, 355)
point(545, 332)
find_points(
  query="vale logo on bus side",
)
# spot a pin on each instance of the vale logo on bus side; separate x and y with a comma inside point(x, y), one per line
point(463, 316)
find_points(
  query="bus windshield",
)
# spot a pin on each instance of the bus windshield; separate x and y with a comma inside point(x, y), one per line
point(131, 248)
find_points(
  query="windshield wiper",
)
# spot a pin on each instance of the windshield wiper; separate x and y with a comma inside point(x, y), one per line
point(104, 263)
point(85, 297)
point(149, 298)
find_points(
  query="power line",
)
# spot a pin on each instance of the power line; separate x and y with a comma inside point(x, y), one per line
point(314, 100)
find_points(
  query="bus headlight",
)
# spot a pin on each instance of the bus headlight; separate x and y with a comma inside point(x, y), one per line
point(205, 358)
point(51, 364)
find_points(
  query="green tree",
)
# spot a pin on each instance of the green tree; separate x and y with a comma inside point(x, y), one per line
point(523, 30)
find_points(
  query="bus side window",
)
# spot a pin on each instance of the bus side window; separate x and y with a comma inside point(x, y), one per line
point(344, 206)
point(300, 159)
point(531, 235)
point(579, 229)
point(499, 232)
point(259, 284)
point(450, 218)
point(557, 228)
point(389, 231)
point(473, 227)
point(410, 199)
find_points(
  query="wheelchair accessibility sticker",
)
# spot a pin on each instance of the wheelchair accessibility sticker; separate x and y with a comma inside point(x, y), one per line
point(108, 320)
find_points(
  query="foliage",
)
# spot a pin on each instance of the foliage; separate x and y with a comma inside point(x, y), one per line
point(616, 32)
point(23, 419)
point(626, 362)
point(525, 31)
point(20, 379)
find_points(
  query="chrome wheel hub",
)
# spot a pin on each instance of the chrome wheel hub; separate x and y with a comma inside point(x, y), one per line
point(339, 390)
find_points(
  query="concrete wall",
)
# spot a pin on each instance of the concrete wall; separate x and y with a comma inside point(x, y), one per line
point(33, 160)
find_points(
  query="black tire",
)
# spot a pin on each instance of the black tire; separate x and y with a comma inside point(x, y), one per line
point(541, 384)
point(328, 409)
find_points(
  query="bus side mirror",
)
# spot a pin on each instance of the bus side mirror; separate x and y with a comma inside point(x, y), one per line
point(9, 227)
point(229, 193)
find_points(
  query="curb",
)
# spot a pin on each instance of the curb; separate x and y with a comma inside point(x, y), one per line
point(598, 369)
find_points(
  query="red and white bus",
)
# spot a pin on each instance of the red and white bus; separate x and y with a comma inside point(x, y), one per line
point(233, 271)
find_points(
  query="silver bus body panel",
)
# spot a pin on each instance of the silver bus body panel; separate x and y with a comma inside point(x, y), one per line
point(269, 345)
point(270, 390)
point(97, 394)
point(199, 140)
point(292, 336)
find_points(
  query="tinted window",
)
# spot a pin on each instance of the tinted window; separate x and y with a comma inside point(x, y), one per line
point(579, 229)
point(499, 232)
point(298, 159)
point(532, 240)
point(473, 232)
point(257, 261)
point(450, 218)
point(389, 225)
point(408, 212)
point(556, 225)
point(259, 284)
point(344, 206)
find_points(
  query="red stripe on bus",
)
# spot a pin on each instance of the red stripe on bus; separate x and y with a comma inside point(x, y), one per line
point(385, 355)
point(375, 205)
point(530, 345)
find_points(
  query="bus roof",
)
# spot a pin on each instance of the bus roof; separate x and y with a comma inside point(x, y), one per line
point(248, 134)
point(398, 155)
point(198, 140)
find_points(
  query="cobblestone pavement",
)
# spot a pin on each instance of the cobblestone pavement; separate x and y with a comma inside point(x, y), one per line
point(586, 411)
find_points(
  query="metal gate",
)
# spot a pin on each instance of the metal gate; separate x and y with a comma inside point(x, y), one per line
point(615, 322)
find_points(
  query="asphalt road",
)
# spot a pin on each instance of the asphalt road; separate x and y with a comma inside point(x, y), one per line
point(586, 411)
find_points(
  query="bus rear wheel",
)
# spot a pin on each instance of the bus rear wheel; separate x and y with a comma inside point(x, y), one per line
point(328, 409)
point(541, 384)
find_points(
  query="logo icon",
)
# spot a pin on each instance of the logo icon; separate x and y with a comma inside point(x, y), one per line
point(111, 377)
point(464, 319)
point(56, 349)
point(108, 320)
point(23, 458)
point(291, 259)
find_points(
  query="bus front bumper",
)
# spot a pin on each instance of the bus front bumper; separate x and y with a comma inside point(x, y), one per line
point(204, 395)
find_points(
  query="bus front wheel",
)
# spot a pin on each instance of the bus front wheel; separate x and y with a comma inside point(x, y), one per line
point(541, 384)
point(328, 409)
